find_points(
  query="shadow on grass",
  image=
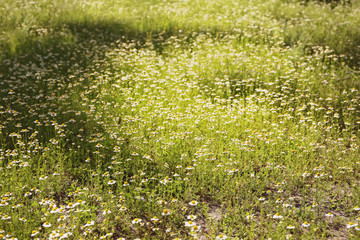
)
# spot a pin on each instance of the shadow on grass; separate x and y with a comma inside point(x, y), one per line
point(42, 69)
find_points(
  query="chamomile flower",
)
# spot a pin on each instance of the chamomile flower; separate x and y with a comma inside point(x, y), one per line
point(34, 233)
point(61, 218)
point(329, 214)
point(106, 211)
point(290, 227)
point(136, 220)
point(47, 224)
point(261, 199)
point(305, 224)
point(6, 217)
point(111, 182)
point(221, 236)
point(190, 224)
point(27, 194)
point(155, 219)
point(122, 208)
point(42, 177)
point(191, 217)
point(89, 223)
point(193, 203)
point(351, 225)
point(249, 216)
point(195, 228)
point(277, 216)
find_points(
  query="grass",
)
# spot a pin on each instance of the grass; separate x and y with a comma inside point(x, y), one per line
point(179, 119)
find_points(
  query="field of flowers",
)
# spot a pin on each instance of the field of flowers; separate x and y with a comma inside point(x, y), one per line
point(178, 119)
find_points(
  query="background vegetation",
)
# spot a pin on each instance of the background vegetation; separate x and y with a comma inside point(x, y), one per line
point(179, 119)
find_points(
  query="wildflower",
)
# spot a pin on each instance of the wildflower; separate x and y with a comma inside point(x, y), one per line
point(161, 202)
point(190, 224)
point(290, 227)
point(47, 224)
point(261, 199)
point(155, 219)
point(43, 177)
point(191, 217)
point(277, 216)
point(356, 208)
point(106, 211)
point(193, 203)
point(221, 237)
point(61, 218)
point(5, 217)
point(87, 232)
point(71, 205)
point(165, 180)
point(305, 224)
point(122, 208)
point(351, 225)
point(329, 215)
point(249, 216)
point(195, 228)
point(23, 219)
point(27, 194)
point(136, 220)
point(111, 182)
point(34, 233)
point(89, 223)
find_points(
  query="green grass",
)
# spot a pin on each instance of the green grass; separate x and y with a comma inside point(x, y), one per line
point(115, 111)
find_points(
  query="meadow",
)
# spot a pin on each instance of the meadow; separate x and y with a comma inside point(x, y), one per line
point(178, 119)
